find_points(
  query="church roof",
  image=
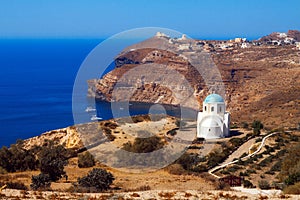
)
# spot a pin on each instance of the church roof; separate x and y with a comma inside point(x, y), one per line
point(214, 98)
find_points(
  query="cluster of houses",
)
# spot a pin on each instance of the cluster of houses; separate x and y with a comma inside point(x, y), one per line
point(185, 44)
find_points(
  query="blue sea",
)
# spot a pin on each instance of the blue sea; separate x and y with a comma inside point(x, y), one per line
point(36, 84)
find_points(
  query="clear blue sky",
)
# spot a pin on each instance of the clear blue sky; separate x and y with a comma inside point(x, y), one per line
point(103, 18)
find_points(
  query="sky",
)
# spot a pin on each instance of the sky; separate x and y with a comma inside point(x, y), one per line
point(103, 18)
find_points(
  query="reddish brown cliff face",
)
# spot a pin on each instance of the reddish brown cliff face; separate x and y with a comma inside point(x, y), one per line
point(261, 82)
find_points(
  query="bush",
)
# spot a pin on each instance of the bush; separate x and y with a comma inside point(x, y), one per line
point(257, 126)
point(292, 178)
point(251, 171)
point(140, 118)
point(97, 178)
point(52, 161)
point(108, 134)
point(176, 169)
point(245, 125)
point(236, 141)
point(244, 173)
point(86, 160)
point(111, 125)
point(14, 185)
point(144, 145)
point(221, 185)
point(290, 167)
point(215, 157)
point(277, 166)
point(16, 158)
point(41, 181)
point(248, 184)
point(189, 161)
point(172, 132)
point(264, 185)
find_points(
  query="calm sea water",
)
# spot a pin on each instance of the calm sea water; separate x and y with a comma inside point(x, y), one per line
point(36, 84)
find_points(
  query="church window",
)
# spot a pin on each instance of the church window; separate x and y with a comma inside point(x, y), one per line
point(212, 109)
point(205, 108)
point(220, 109)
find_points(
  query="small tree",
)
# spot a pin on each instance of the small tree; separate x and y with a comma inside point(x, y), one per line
point(41, 181)
point(97, 178)
point(86, 160)
point(257, 126)
point(52, 161)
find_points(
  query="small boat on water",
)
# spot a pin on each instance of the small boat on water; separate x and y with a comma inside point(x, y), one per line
point(90, 109)
point(94, 118)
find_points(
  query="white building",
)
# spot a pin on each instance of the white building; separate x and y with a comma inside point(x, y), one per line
point(214, 121)
point(244, 45)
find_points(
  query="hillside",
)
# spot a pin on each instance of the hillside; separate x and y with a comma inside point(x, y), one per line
point(186, 178)
point(261, 78)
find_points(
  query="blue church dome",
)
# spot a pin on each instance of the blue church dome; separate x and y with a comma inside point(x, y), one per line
point(214, 98)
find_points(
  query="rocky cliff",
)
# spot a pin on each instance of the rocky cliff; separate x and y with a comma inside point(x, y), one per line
point(261, 81)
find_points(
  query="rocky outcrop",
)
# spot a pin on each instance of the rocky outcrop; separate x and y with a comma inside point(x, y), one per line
point(68, 137)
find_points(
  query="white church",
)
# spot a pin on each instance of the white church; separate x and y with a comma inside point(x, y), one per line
point(213, 122)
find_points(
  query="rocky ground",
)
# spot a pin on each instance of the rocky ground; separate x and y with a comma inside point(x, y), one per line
point(152, 194)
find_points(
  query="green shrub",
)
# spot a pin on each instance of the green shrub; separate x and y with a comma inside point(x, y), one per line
point(243, 155)
point(292, 178)
point(17, 158)
point(111, 125)
point(266, 161)
point(247, 184)
point(294, 138)
point(172, 132)
point(245, 125)
point(144, 145)
point(251, 171)
point(270, 172)
point(236, 141)
point(97, 178)
point(277, 166)
point(86, 160)
point(41, 181)
point(233, 168)
point(215, 157)
point(257, 126)
point(244, 174)
point(14, 185)
point(52, 161)
point(264, 185)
